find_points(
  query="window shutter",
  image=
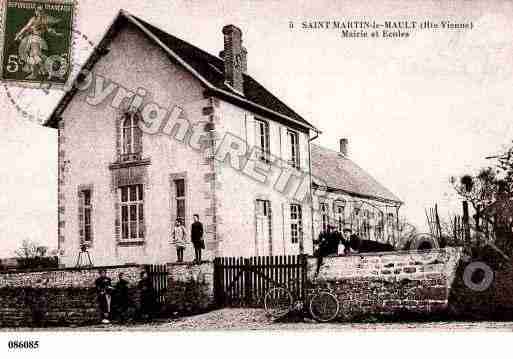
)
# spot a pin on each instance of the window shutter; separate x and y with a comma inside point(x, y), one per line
point(80, 216)
point(286, 227)
point(270, 219)
point(117, 224)
point(137, 136)
point(91, 215)
point(284, 142)
point(255, 241)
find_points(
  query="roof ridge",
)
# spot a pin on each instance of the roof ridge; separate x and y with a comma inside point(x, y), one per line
point(322, 147)
point(147, 24)
point(201, 64)
point(376, 190)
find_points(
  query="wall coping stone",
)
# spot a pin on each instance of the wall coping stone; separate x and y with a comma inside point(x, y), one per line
point(70, 269)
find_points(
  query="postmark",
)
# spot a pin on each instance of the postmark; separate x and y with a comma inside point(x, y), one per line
point(37, 41)
point(35, 103)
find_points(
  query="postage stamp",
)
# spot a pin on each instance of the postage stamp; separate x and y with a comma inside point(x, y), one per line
point(37, 41)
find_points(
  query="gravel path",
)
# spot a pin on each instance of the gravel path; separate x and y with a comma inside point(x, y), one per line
point(256, 319)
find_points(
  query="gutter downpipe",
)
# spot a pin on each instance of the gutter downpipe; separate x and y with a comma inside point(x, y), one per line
point(317, 133)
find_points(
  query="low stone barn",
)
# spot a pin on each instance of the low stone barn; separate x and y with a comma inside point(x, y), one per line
point(350, 197)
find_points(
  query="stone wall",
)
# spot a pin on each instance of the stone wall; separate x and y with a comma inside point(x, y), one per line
point(65, 278)
point(56, 297)
point(190, 288)
point(390, 283)
point(68, 297)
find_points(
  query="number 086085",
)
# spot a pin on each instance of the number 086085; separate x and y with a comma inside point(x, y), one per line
point(23, 344)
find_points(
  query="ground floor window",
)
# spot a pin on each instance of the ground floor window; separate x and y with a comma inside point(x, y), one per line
point(132, 212)
point(324, 217)
point(180, 198)
point(296, 222)
point(85, 209)
point(340, 215)
point(263, 229)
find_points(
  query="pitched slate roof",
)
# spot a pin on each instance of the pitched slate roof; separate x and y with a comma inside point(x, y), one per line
point(210, 69)
point(342, 174)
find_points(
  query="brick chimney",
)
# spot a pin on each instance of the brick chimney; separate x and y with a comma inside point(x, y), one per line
point(235, 57)
point(344, 144)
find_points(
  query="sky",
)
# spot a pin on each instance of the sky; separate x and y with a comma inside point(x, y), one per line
point(416, 110)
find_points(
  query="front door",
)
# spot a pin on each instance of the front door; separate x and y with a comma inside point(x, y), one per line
point(263, 228)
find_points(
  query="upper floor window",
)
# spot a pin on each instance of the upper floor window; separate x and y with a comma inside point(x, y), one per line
point(131, 137)
point(263, 140)
point(293, 143)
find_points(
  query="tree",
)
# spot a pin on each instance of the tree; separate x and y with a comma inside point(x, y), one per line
point(490, 193)
point(479, 190)
point(30, 249)
point(31, 255)
point(406, 231)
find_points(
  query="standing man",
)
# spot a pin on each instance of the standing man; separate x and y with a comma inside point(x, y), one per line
point(146, 294)
point(322, 244)
point(197, 238)
point(104, 288)
point(346, 234)
point(121, 298)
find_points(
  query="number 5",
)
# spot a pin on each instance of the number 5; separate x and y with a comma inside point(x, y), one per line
point(12, 64)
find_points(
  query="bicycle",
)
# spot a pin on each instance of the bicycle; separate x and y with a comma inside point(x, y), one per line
point(322, 304)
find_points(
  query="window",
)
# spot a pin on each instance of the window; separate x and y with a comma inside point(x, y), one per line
point(132, 212)
point(379, 230)
point(131, 138)
point(262, 140)
point(340, 216)
point(85, 215)
point(296, 226)
point(325, 220)
point(293, 140)
point(263, 207)
point(180, 198)
point(263, 227)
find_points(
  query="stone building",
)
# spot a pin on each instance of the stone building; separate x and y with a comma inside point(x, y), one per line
point(157, 129)
point(350, 197)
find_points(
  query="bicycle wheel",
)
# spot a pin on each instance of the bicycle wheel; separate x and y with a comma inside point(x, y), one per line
point(277, 302)
point(324, 307)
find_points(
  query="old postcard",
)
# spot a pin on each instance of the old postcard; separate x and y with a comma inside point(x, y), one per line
point(255, 166)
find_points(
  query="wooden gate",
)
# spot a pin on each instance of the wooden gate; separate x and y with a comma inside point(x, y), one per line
point(159, 279)
point(244, 281)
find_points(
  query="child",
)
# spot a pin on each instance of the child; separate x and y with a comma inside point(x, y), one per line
point(179, 239)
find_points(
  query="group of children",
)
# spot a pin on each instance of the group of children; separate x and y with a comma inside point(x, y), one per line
point(117, 296)
point(332, 242)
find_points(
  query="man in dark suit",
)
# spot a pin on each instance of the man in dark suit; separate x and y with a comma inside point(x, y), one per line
point(104, 289)
point(197, 238)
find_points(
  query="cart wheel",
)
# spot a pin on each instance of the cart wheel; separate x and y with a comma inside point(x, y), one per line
point(277, 302)
point(324, 307)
